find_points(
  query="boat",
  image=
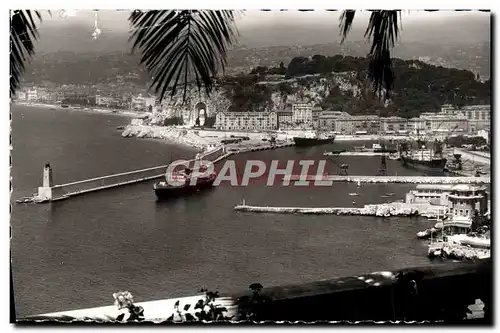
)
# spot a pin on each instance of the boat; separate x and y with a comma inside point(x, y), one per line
point(423, 158)
point(359, 183)
point(179, 183)
point(334, 152)
point(314, 140)
point(390, 194)
point(353, 194)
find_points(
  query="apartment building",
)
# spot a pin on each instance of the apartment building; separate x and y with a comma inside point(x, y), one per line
point(479, 116)
point(225, 120)
point(285, 120)
point(445, 123)
point(302, 115)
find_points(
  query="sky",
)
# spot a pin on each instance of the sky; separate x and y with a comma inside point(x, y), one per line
point(118, 19)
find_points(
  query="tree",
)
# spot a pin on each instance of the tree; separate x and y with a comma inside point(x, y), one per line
point(190, 46)
point(477, 220)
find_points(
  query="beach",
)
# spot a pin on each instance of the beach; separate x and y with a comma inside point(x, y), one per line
point(118, 112)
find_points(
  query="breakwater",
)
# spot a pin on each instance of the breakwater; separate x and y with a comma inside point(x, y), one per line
point(457, 252)
point(392, 179)
point(260, 148)
point(382, 210)
point(50, 192)
point(397, 295)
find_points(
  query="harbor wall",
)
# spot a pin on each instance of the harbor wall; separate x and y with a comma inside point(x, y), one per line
point(435, 294)
point(121, 179)
point(394, 179)
point(388, 209)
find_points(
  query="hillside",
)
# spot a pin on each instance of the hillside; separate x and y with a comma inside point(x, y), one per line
point(340, 83)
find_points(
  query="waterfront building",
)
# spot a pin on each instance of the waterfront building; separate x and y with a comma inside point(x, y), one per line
point(225, 120)
point(316, 112)
point(107, 101)
point(477, 115)
point(285, 120)
point(21, 96)
point(326, 120)
point(142, 103)
point(435, 194)
point(32, 94)
point(463, 201)
point(350, 125)
point(445, 123)
point(416, 124)
point(394, 125)
point(302, 115)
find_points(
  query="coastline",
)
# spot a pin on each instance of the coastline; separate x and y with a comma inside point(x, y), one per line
point(117, 112)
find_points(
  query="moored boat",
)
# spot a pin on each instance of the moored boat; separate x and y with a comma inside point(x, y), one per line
point(314, 140)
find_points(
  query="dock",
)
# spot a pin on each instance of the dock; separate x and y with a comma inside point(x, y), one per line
point(392, 179)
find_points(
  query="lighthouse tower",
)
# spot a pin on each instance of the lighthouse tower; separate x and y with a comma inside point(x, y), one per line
point(45, 192)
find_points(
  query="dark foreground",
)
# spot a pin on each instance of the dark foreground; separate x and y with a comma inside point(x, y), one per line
point(431, 294)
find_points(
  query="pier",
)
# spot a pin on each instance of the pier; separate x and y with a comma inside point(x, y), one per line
point(50, 192)
point(392, 179)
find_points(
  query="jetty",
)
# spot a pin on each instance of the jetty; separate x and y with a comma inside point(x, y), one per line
point(49, 192)
point(380, 210)
point(392, 179)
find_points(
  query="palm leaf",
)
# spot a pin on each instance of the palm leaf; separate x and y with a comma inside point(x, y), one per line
point(346, 19)
point(23, 33)
point(383, 29)
point(182, 45)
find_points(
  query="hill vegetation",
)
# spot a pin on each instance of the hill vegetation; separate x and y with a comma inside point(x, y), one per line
point(340, 83)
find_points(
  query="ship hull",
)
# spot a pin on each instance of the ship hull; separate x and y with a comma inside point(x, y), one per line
point(166, 191)
point(431, 165)
point(308, 142)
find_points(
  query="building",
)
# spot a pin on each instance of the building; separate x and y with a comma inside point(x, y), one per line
point(463, 201)
point(477, 115)
point(394, 125)
point(436, 194)
point(21, 96)
point(326, 120)
point(352, 125)
point(316, 112)
point(107, 101)
point(142, 103)
point(285, 120)
point(32, 95)
point(445, 123)
point(302, 115)
point(246, 120)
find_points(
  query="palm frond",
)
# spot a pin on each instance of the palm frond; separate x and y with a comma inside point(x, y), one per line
point(181, 45)
point(346, 19)
point(23, 33)
point(383, 29)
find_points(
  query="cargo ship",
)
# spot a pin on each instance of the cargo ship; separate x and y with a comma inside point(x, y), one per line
point(314, 140)
point(179, 184)
point(423, 158)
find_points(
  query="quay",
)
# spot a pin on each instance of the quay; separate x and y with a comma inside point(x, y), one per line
point(378, 296)
point(392, 179)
